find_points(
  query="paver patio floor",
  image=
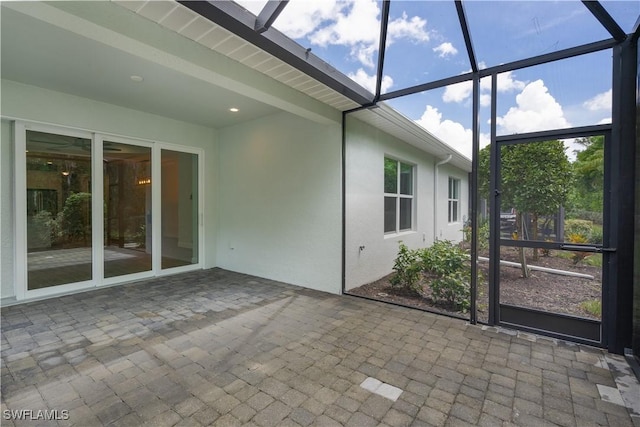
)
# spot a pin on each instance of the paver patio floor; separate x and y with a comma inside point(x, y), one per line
point(219, 348)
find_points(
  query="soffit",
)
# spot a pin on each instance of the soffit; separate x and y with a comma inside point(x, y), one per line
point(182, 20)
point(390, 121)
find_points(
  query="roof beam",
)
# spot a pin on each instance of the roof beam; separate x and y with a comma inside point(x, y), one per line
point(384, 23)
point(467, 35)
point(235, 19)
point(605, 19)
point(269, 14)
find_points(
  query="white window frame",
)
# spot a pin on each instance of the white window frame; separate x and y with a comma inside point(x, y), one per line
point(453, 203)
point(398, 195)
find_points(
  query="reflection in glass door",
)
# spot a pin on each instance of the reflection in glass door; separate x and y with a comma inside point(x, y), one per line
point(127, 208)
point(179, 201)
point(59, 238)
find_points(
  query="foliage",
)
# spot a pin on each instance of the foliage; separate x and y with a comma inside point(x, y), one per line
point(595, 217)
point(483, 233)
point(444, 263)
point(536, 178)
point(76, 216)
point(452, 289)
point(443, 258)
point(596, 236)
point(578, 239)
point(589, 173)
point(578, 227)
point(593, 307)
point(447, 264)
point(408, 268)
point(46, 227)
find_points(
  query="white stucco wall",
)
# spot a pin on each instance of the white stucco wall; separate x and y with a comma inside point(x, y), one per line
point(366, 148)
point(36, 104)
point(444, 229)
point(280, 201)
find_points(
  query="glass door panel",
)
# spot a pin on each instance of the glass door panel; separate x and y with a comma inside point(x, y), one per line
point(59, 238)
point(179, 207)
point(551, 235)
point(127, 208)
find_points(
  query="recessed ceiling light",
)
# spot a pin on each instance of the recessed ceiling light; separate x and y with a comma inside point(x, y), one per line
point(233, 109)
point(137, 79)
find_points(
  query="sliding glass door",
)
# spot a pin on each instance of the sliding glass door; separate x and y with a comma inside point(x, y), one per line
point(179, 209)
point(127, 208)
point(58, 209)
point(101, 210)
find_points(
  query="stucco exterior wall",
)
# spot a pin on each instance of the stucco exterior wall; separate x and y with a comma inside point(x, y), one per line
point(32, 103)
point(280, 201)
point(366, 148)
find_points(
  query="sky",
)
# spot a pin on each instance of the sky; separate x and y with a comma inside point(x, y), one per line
point(425, 43)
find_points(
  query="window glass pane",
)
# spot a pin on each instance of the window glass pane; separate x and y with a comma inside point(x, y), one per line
point(390, 176)
point(406, 179)
point(127, 209)
point(179, 209)
point(389, 214)
point(454, 211)
point(455, 184)
point(58, 209)
point(405, 214)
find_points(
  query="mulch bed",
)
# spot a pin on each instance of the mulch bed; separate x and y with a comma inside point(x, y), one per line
point(543, 291)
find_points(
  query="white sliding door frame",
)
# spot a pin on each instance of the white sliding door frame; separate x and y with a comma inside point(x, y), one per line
point(97, 139)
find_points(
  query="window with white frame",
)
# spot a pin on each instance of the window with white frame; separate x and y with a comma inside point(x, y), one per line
point(454, 199)
point(398, 196)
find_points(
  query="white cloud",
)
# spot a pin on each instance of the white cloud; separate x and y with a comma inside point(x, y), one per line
point(602, 101)
point(369, 82)
point(605, 121)
point(536, 110)
point(351, 24)
point(451, 133)
point(300, 18)
point(459, 92)
point(445, 49)
point(413, 29)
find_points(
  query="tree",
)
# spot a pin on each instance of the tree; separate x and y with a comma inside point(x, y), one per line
point(536, 178)
point(589, 173)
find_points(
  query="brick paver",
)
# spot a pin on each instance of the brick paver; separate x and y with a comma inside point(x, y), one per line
point(219, 348)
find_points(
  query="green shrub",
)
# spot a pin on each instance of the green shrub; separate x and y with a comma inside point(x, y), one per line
point(593, 307)
point(595, 217)
point(443, 258)
point(408, 268)
point(596, 236)
point(448, 265)
point(579, 227)
point(452, 289)
point(483, 233)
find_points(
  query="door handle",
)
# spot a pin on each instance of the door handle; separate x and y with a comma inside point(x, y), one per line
point(596, 249)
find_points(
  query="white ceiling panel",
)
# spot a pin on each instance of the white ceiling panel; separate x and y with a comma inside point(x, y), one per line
point(178, 19)
point(157, 10)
